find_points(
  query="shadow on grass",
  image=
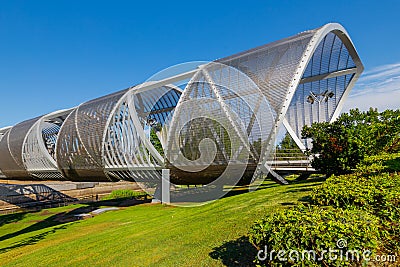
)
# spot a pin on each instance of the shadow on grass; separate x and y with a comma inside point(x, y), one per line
point(304, 189)
point(120, 202)
point(237, 252)
point(321, 178)
point(305, 186)
point(237, 190)
point(59, 219)
point(305, 199)
point(287, 203)
point(206, 193)
point(32, 239)
point(11, 218)
point(209, 193)
point(54, 220)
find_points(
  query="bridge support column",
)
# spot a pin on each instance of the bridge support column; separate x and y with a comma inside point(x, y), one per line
point(162, 193)
point(165, 187)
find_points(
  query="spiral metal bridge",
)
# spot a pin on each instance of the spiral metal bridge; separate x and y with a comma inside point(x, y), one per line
point(220, 119)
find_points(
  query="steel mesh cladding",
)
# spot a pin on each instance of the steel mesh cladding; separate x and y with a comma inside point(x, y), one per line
point(11, 162)
point(218, 125)
point(38, 150)
point(218, 129)
point(79, 143)
point(133, 130)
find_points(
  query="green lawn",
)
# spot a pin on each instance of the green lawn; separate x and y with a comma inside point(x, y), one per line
point(145, 235)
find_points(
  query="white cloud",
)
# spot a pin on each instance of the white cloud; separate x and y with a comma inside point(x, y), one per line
point(377, 88)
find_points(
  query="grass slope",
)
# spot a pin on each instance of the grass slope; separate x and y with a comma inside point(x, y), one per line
point(145, 235)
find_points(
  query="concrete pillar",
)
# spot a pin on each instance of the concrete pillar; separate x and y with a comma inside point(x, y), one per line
point(165, 187)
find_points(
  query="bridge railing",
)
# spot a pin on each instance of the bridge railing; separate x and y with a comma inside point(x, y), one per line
point(289, 158)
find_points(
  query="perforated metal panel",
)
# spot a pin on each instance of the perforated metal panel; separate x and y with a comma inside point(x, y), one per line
point(128, 151)
point(11, 162)
point(272, 66)
point(221, 111)
point(79, 144)
point(38, 150)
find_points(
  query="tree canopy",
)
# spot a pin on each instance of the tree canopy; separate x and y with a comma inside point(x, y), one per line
point(339, 146)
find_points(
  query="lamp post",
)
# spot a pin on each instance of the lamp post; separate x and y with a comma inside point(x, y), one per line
point(321, 97)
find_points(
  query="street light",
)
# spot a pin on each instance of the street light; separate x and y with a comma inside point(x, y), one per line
point(312, 97)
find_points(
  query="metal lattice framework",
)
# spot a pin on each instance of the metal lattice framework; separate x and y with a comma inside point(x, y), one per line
point(220, 116)
point(38, 149)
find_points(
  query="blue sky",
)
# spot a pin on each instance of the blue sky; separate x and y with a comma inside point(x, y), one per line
point(58, 54)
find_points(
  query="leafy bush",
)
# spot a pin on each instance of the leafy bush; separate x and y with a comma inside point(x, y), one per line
point(314, 228)
point(378, 194)
point(379, 163)
point(339, 146)
point(333, 148)
point(123, 193)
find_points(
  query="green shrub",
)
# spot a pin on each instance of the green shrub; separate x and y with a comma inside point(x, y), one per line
point(379, 163)
point(340, 146)
point(378, 194)
point(315, 228)
point(124, 193)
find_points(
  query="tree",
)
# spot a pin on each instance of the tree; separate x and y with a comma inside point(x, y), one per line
point(288, 143)
point(339, 146)
point(156, 142)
